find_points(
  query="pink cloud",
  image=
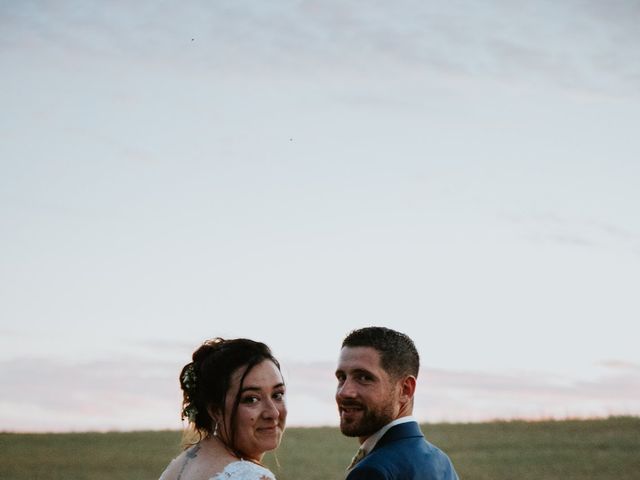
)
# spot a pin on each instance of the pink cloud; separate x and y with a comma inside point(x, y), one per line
point(128, 394)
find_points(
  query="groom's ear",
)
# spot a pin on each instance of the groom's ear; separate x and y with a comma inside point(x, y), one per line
point(407, 388)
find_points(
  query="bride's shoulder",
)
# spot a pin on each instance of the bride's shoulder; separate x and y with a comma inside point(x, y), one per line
point(172, 471)
point(244, 470)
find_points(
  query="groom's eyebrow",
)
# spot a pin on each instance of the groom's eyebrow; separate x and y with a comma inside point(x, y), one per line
point(363, 371)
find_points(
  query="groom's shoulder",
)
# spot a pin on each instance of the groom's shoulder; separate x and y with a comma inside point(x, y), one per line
point(406, 453)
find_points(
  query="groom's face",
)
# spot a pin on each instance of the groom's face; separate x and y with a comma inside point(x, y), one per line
point(367, 396)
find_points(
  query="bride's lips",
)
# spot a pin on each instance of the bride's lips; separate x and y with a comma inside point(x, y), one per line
point(270, 430)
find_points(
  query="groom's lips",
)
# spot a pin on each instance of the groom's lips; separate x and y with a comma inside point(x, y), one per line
point(347, 410)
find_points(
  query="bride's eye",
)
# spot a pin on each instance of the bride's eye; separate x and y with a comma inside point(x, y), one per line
point(250, 399)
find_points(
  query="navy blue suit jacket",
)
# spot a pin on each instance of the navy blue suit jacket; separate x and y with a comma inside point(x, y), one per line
point(403, 454)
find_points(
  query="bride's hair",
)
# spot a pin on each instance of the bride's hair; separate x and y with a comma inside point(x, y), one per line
point(206, 380)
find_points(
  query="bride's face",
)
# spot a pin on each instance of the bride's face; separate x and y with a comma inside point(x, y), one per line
point(262, 412)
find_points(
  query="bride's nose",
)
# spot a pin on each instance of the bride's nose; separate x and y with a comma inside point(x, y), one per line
point(271, 410)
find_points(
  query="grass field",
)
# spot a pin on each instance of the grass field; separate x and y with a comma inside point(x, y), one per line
point(588, 449)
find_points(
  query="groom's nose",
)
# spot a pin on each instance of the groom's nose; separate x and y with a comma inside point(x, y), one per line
point(346, 389)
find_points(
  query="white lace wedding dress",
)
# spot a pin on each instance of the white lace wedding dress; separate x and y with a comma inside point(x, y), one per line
point(242, 470)
point(239, 470)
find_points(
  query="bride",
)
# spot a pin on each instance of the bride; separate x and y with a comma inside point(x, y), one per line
point(233, 398)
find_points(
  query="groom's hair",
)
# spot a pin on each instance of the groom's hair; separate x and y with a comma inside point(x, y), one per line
point(398, 354)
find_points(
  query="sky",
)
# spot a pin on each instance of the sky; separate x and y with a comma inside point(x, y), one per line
point(464, 172)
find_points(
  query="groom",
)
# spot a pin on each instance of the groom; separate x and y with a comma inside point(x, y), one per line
point(376, 373)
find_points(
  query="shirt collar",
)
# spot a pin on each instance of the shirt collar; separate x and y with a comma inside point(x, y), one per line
point(371, 442)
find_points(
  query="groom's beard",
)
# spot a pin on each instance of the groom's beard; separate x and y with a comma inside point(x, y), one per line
point(368, 421)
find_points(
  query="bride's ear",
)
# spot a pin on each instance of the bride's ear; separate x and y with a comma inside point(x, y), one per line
point(214, 413)
point(216, 420)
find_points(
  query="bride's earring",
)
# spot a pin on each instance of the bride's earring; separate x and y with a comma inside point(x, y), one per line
point(215, 430)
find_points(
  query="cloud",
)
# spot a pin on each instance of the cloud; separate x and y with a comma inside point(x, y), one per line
point(466, 395)
point(620, 365)
point(566, 44)
point(41, 394)
point(165, 346)
point(45, 395)
point(580, 232)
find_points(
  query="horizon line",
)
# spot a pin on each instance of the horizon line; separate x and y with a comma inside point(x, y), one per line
point(496, 420)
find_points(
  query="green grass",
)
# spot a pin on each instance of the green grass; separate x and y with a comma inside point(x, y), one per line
point(581, 449)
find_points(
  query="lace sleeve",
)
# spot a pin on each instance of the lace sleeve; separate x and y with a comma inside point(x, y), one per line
point(243, 470)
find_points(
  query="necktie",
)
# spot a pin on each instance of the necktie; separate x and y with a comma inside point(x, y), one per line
point(356, 458)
